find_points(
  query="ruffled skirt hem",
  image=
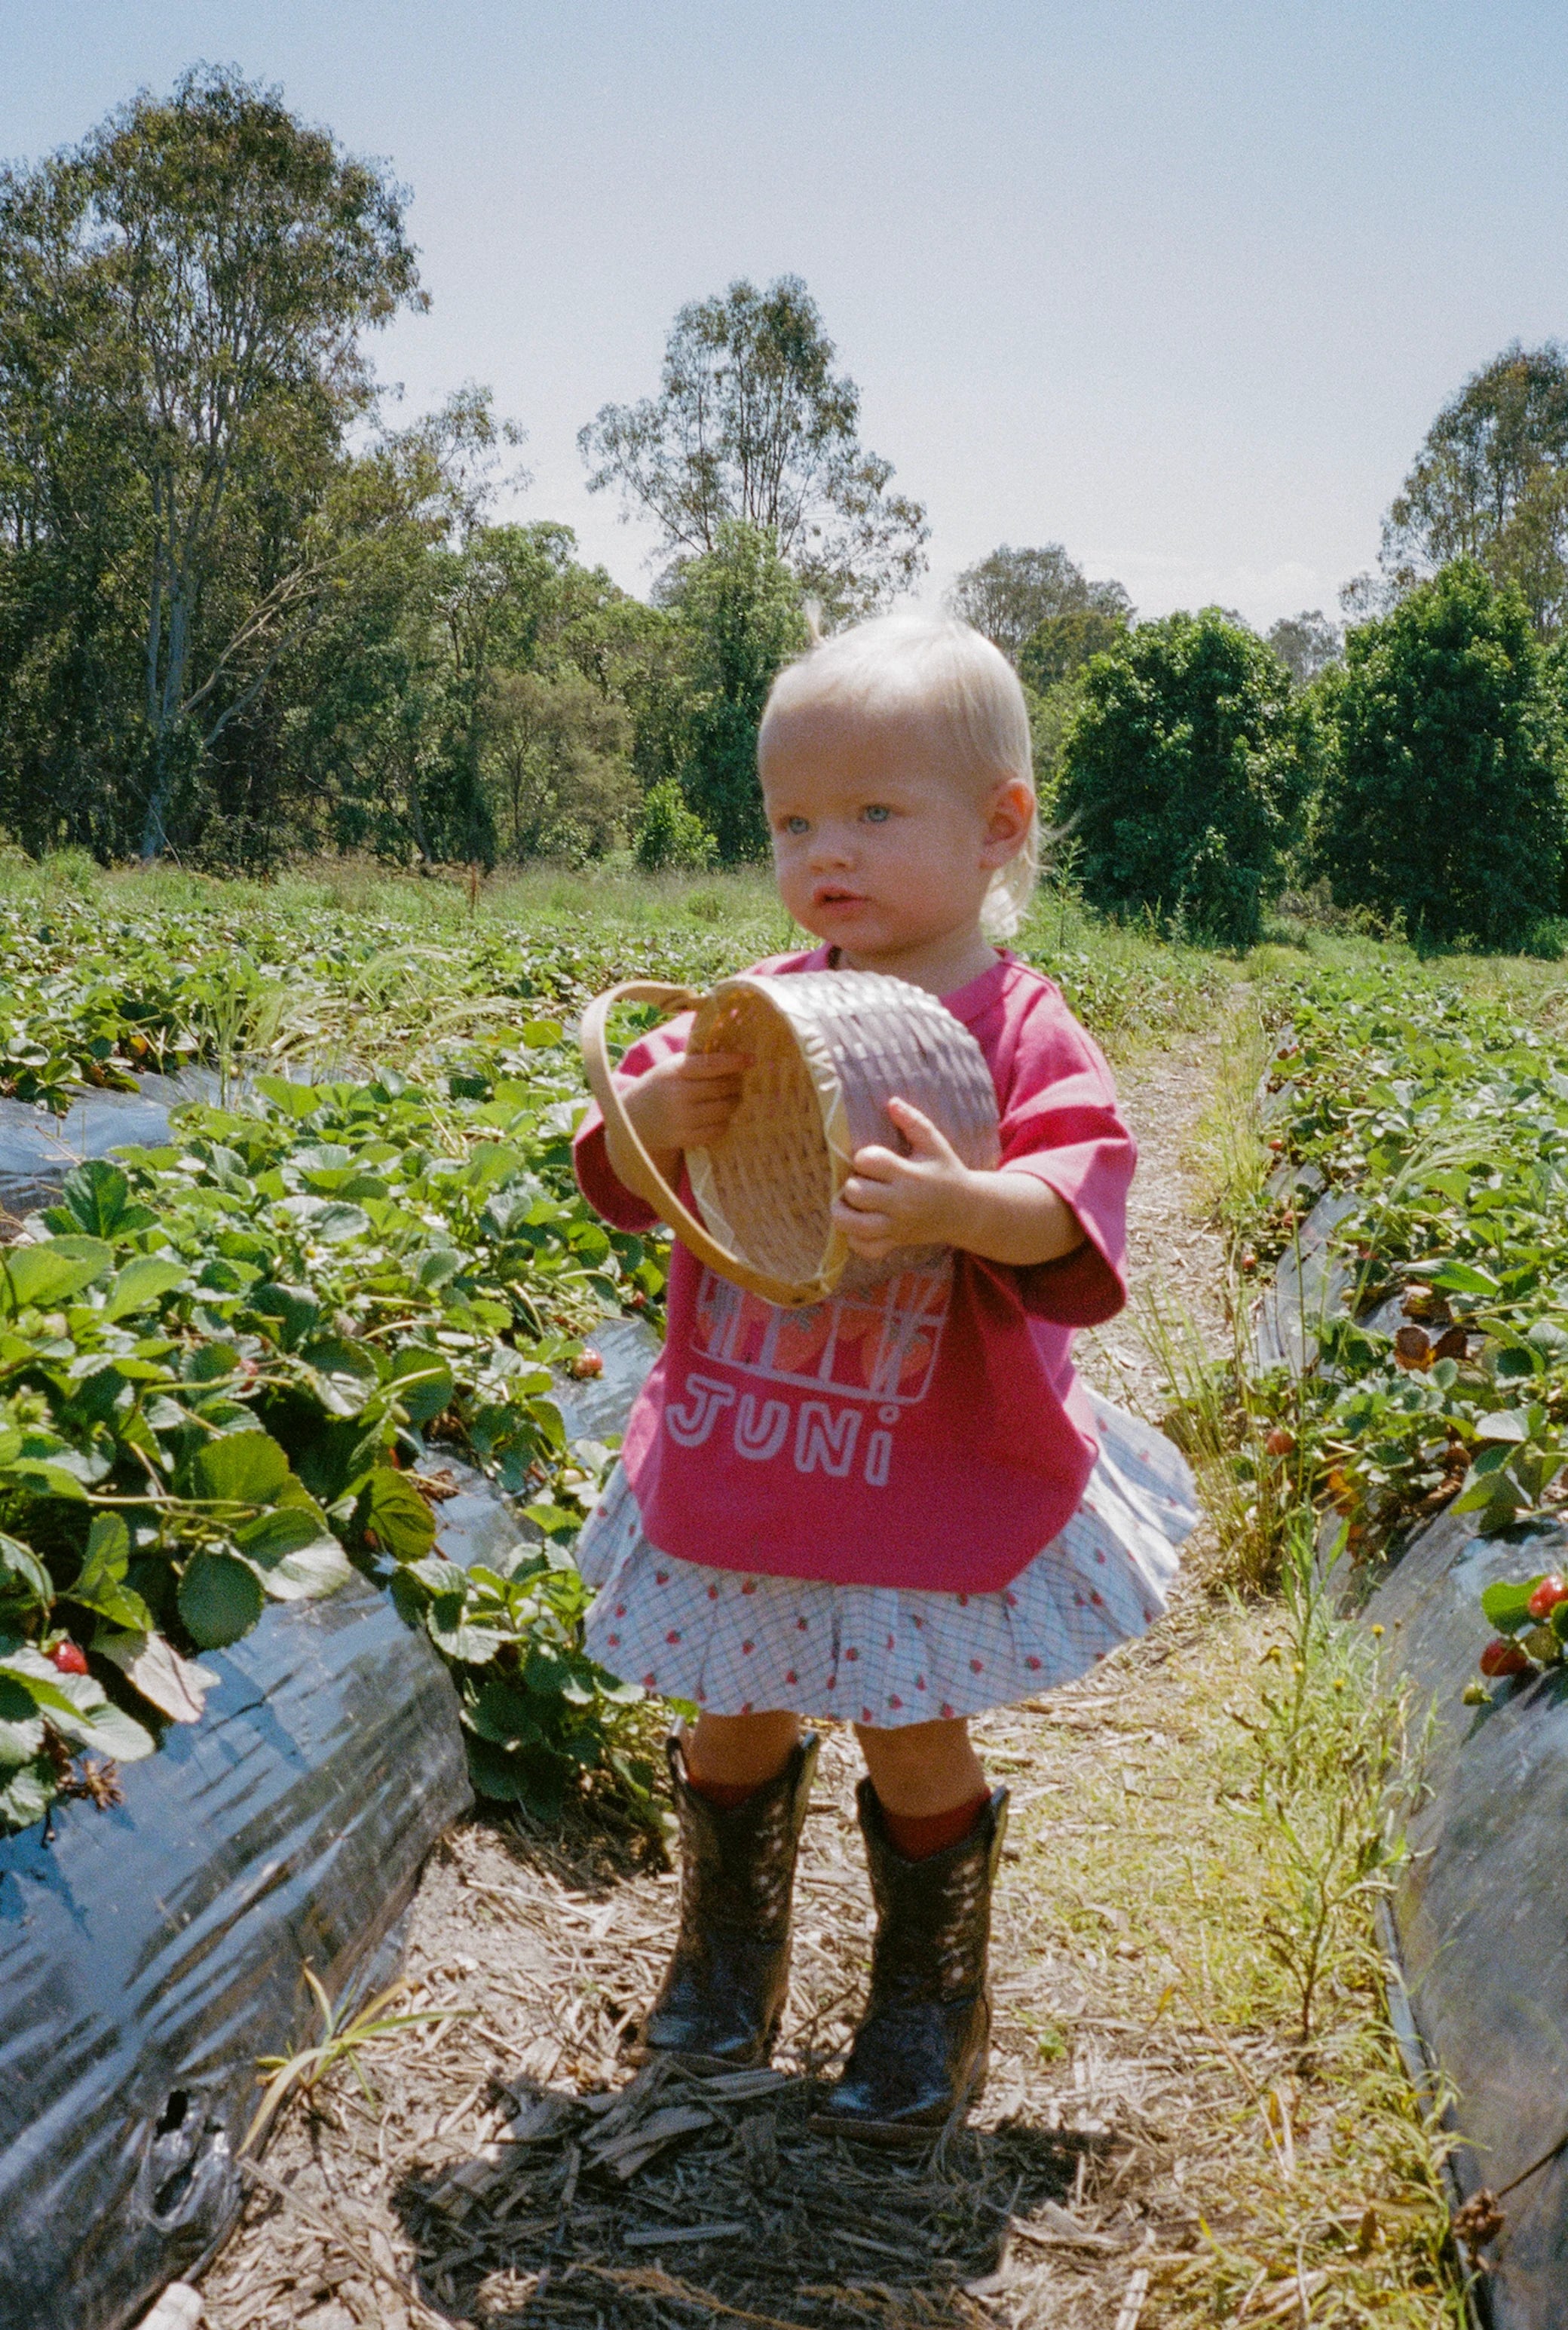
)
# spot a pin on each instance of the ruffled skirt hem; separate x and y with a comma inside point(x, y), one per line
point(733, 1642)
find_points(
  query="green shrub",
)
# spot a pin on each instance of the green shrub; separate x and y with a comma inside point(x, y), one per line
point(1184, 771)
point(670, 838)
point(1442, 804)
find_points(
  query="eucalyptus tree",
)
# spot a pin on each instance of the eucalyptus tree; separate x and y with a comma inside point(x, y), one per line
point(182, 301)
point(1490, 483)
point(752, 426)
point(1009, 593)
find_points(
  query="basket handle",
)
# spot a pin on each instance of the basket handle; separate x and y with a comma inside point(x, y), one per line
point(696, 1239)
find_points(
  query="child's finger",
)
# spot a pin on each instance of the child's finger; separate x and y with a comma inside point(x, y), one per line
point(697, 1065)
point(876, 1164)
point(865, 1195)
point(860, 1221)
point(923, 1137)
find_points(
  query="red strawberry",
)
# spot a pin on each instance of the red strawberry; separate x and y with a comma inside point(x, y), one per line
point(586, 1364)
point(68, 1658)
point(1280, 1441)
point(1502, 1657)
point(1547, 1595)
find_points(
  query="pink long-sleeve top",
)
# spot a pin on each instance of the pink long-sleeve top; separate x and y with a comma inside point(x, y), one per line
point(930, 1432)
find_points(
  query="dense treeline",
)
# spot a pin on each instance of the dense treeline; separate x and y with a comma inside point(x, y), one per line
point(242, 618)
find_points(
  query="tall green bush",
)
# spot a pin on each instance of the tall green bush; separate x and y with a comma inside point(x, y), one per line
point(1443, 799)
point(1185, 772)
point(669, 838)
point(742, 605)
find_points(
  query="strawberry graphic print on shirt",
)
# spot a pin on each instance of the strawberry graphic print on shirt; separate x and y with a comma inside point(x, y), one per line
point(866, 1357)
point(926, 1430)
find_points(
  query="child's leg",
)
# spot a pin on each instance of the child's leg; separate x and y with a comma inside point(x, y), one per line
point(922, 1768)
point(728, 1756)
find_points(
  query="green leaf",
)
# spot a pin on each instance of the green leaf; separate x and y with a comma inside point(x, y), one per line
point(279, 1533)
point(403, 1523)
point(49, 1273)
point(219, 1596)
point(23, 1574)
point(112, 1732)
point(245, 1468)
point(294, 1309)
point(97, 1195)
point(346, 1373)
point(439, 1267)
point(540, 1035)
point(47, 1480)
point(310, 1572)
point(27, 1796)
point(1508, 1424)
point(1506, 1607)
point(423, 1382)
point(459, 1639)
point(1463, 1278)
point(100, 1588)
point(141, 1282)
point(299, 1101)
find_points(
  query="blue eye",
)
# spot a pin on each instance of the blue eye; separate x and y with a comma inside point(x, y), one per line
point(796, 825)
point(877, 815)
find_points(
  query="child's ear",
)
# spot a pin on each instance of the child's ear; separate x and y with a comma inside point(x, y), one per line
point(1009, 814)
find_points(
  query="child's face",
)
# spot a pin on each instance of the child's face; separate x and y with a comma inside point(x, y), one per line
point(879, 846)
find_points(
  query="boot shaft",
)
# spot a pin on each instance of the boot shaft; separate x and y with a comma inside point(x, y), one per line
point(933, 1916)
point(738, 1868)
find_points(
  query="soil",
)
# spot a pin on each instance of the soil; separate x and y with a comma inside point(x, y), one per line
point(509, 2169)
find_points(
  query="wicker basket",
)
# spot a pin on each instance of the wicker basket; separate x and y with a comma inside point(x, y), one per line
point(829, 1049)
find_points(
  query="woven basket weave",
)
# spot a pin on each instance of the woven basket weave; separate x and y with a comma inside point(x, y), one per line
point(829, 1049)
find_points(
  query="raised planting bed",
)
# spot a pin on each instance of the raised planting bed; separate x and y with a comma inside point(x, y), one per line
point(152, 1951)
point(1427, 1399)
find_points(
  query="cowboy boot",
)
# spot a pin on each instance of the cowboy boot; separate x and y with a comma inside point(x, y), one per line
point(723, 1990)
point(919, 2056)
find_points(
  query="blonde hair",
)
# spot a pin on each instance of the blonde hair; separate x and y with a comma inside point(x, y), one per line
point(962, 684)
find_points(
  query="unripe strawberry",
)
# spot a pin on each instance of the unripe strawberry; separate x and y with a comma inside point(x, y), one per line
point(1542, 1645)
point(1547, 1595)
point(586, 1364)
point(1503, 1657)
point(68, 1658)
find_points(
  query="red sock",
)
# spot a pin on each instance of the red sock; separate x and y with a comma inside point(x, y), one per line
point(916, 1836)
point(722, 1795)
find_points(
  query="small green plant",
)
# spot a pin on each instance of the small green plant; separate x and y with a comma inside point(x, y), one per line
point(1331, 1782)
point(345, 2031)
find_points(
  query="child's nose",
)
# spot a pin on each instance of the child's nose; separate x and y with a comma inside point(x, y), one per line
point(830, 845)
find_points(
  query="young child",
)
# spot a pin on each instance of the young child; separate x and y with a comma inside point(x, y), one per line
point(898, 1507)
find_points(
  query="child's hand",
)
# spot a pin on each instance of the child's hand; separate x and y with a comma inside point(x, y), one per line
point(931, 1198)
point(920, 1199)
point(686, 1101)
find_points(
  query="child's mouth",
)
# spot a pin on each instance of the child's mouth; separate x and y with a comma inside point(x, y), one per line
point(830, 895)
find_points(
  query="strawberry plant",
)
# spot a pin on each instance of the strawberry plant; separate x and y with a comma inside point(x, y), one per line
point(1442, 1117)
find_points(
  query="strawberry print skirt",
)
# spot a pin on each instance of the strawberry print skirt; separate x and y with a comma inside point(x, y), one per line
point(732, 1643)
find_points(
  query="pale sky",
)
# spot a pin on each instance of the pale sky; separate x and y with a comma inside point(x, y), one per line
point(1179, 283)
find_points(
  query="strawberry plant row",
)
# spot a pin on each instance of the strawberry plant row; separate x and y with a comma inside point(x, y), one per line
point(1439, 1116)
point(228, 1368)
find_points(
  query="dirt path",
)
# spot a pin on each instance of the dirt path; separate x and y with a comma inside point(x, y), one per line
point(1054, 2209)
